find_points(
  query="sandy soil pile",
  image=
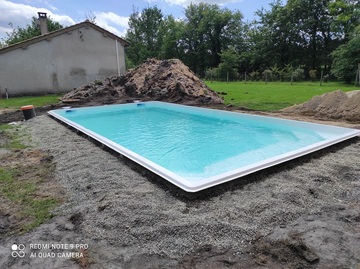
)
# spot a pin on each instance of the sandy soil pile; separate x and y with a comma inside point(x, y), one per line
point(301, 214)
point(332, 105)
point(167, 80)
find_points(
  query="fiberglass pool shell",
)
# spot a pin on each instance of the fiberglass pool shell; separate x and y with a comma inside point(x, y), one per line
point(197, 148)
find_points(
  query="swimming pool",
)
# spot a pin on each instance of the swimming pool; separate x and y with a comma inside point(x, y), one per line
point(197, 148)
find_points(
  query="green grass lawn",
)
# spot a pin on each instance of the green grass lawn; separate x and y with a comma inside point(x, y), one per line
point(37, 101)
point(251, 95)
point(273, 95)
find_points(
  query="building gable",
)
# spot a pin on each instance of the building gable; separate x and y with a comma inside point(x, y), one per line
point(66, 30)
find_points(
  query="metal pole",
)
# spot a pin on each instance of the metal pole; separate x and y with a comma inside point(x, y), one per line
point(321, 78)
point(117, 57)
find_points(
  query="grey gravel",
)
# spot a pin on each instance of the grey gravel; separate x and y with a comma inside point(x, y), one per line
point(128, 218)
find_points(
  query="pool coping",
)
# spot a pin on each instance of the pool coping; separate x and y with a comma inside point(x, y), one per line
point(188, 186)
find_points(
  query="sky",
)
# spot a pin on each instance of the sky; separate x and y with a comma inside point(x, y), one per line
point(111, 15)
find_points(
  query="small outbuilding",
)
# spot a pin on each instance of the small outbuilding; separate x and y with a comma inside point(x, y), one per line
point(61, 60)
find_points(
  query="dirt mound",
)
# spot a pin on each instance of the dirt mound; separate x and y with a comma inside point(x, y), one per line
point(332, 105)
point(166, 80)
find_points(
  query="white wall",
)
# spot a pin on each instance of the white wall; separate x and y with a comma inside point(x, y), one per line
point(61, 63)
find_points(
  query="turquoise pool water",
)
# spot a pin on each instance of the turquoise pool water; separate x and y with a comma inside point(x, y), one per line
point(194, 144)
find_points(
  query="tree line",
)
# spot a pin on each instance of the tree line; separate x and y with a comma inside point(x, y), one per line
point(300, 39)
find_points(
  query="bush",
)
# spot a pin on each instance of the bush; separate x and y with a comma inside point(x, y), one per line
point(312, 74)
point(267, 75)
point(346, 58)
point(298, 74)
point(254, 76)
point(210, 73)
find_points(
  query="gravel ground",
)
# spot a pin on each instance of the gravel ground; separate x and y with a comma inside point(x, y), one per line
point(131, 219)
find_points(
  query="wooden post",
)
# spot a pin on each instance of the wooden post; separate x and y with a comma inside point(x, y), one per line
point(357, 81)
point(292, 78)
point(245, 77)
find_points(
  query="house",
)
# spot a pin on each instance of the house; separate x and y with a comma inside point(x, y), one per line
point(61, 60)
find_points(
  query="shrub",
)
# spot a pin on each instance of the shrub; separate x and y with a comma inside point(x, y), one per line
point(298, 74)
point(267, 75)
point(312, 74)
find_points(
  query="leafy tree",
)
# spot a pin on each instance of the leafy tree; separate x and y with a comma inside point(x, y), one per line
point(197, 40)
point(347, 57)
point(172, 32)
point(346, 14)
point(145, 33)
point(301, 32)
point(229, 61)
point(289, 40)
point(209, 30)
point(312, 22)
point(253, 56)
point(21, 34)
point(274, 39)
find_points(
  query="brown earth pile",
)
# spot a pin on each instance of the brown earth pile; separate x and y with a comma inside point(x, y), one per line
point(166, 80)
point(332, 105)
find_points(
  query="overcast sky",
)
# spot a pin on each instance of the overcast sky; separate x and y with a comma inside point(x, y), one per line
point(110, 14)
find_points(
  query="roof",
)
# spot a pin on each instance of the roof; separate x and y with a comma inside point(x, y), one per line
point(85, 24)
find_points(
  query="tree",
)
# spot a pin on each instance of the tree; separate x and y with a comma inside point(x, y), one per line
point(346, 14)
point(197, 40)
point(273, 39)
point(347, 57)
point(229, 60)
point(145, 33)
point(312, 21)
point(172, 32)
point(21, 34)
point(209, 30)
point(299, 33)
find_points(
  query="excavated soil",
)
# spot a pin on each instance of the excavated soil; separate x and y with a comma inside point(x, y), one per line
point(332, 105)
point(166, 80)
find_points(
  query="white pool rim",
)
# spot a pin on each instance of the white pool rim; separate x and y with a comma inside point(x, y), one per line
point(199, 185)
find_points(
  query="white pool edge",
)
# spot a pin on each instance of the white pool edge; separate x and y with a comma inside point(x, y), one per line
point(188, 186)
